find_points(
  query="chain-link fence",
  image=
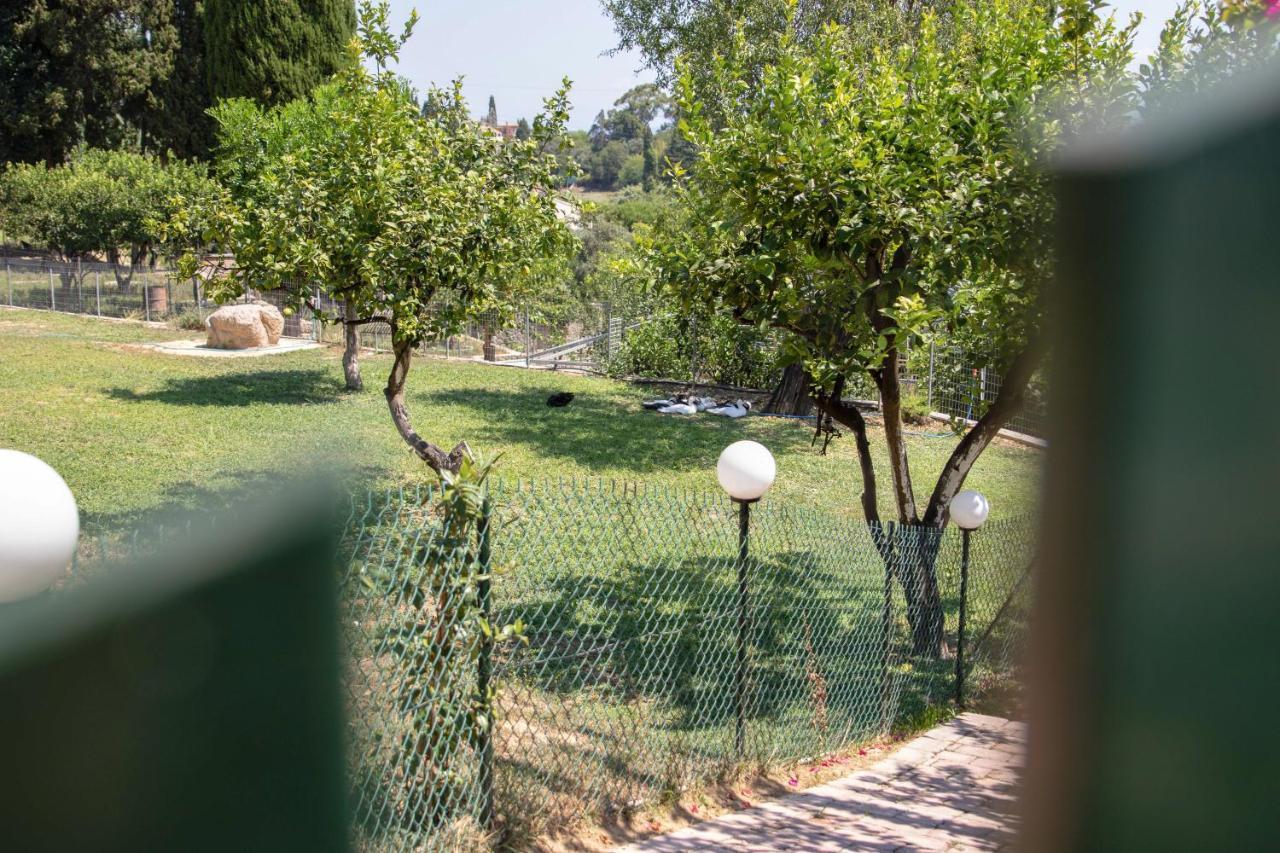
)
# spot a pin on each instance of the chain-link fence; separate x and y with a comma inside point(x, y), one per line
point(103, 290)
point(580, 650)
point(642, 655)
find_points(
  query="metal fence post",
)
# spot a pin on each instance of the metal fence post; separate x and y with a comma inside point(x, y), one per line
point(8, 280)
point(484, 670)
point(52, 301)
point(931, 349)
point(97, 290)
point(744, 603)
point(528, 337)
point(885, 542)
point(146, 299)
point(964, 600)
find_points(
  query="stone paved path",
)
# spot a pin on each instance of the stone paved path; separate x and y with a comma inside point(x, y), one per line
point(952, 788)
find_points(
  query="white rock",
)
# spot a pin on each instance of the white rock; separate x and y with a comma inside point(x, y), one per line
point(245, 326)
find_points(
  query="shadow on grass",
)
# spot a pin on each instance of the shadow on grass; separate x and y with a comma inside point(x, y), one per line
point(667, 632)
point(599, 432)
point(245, 388)
point(187, 502)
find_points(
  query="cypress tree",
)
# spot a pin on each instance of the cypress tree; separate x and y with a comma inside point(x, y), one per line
point(650, 162)
point(274, 52)
point(79, 71)
point(180, 123)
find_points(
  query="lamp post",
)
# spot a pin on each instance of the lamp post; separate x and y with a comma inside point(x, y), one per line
point(745, 470)
point(969, 511)
point(39, 526)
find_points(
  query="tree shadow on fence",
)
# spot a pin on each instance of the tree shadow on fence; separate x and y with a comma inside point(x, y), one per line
point(648, 651)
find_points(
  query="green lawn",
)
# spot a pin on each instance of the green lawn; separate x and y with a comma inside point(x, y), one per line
point(134, 430)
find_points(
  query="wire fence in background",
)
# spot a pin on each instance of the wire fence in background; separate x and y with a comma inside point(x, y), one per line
point(952, 382)
point(962, 385)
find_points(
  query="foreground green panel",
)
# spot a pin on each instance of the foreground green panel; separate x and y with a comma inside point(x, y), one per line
point(1157, 676)
point(191, 703)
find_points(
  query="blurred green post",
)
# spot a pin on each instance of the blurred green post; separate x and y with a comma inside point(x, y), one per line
point(189, 701)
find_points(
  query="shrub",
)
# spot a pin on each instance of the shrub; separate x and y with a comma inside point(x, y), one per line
point(189, 321)
point(725, 352)
point(915, 408)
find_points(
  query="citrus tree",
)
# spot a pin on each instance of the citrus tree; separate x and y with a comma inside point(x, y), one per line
point(99, 204)
point(418, 222)
point(862, 195)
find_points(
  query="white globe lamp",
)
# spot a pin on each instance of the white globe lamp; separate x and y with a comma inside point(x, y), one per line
point(969, 509)
point(746, 470)
point(39, 526)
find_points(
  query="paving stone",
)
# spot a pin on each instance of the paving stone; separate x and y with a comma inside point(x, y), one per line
point(953, 788)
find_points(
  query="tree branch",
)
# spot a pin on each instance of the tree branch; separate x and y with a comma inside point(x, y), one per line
point(435, 457)
point(833, 405)
point(1013, 389)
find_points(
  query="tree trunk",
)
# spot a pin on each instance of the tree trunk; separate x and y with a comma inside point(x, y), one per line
point(911, 555)
point(351, 347)
point(833, 405)
point(490, 350)
point(895, 440)
point(915, 566)
point(437, 459)
point(791, 396)
point(124, 277)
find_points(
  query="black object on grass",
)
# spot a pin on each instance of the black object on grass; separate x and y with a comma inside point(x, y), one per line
point(560, 400)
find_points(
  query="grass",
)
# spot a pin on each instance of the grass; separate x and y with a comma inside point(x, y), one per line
point(133, 430)
point(624, 691)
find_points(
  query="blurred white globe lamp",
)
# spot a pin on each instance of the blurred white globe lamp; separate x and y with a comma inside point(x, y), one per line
point(39, 526)
point(969, 510)
point(745, 470)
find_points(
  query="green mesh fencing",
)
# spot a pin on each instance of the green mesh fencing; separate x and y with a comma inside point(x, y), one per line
point(593, 648)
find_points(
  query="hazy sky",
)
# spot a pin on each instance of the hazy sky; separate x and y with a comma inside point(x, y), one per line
point(517, 51)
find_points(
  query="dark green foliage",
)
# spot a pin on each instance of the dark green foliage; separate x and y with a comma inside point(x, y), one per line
point(621, 148)
point(179, 122)
point(274, 52)
point(673, 346)
point(650, 163)
point(522, 129)
point(79, 71)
